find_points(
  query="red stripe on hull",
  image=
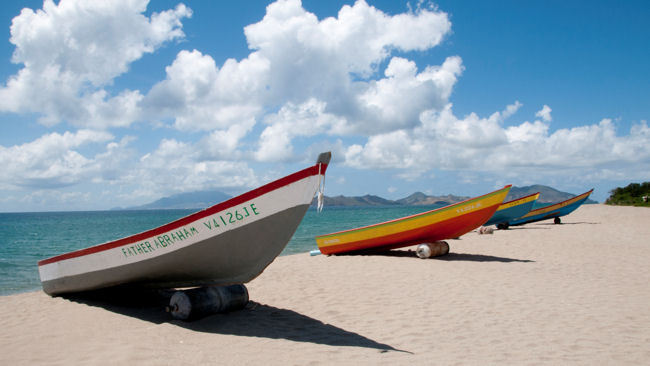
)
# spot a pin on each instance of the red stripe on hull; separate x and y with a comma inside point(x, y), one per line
point(448, 229)
point(313, 170)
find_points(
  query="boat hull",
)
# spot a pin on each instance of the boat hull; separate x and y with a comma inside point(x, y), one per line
point(512, 210)
point(553, 211)
point(214, 261)
point(443, 223)
point(229, 243)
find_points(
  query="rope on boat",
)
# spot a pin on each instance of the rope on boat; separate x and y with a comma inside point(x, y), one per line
point(321, 188)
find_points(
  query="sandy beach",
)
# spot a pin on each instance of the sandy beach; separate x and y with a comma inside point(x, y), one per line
point(576, 293)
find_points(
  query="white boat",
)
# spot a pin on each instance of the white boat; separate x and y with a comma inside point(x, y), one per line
point(229, 243)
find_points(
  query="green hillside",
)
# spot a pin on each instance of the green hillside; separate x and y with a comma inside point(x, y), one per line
point(632, 195)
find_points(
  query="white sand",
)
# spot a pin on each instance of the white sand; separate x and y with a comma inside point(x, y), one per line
point(577, 293)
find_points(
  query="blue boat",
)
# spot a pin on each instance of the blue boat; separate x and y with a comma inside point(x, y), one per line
point(512, 210)
point(554, 211)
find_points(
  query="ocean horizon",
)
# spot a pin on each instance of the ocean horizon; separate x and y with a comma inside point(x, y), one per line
point(28, 237)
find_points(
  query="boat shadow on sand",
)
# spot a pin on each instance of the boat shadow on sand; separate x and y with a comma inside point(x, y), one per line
point(266, 321)
point(447, 257)
point(546, 225)
point(568, 223)
point(255, 320)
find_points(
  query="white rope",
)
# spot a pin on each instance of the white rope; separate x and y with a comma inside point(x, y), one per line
point(321, 189)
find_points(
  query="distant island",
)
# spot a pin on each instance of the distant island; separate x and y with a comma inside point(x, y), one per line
point(188, 200)
point(203, 199)
point(547, 195)
point(416, 199)
point(634, 194)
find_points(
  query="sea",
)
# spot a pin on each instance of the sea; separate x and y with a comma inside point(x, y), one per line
point(26, 238)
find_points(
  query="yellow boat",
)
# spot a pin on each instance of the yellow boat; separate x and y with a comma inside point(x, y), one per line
point(443, 223)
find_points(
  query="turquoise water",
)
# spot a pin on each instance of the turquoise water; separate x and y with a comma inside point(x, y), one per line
point(26, 238)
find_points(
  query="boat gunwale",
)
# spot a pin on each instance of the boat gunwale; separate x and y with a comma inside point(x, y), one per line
point(418, 215)
point(316, 169)
point(545, 209)
point(524, 199)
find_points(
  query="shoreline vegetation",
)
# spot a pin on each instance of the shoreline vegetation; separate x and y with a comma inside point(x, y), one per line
point(634, 194)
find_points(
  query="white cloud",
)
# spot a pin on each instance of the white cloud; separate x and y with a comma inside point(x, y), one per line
point(50, 161)
point(321, 77)
point(224, 144)
point(113, 163)
point(307, 71)
point(71, 50)
point(307, 119)
point(318, 68)
point(359, 38)
point(472, 131)
point(396, 149)
point(55, 161)
point(506, 113)
point(397, 101)
point(482, 145)
point(342, 83)
point(177, 166)
point(198, 95)
point(544, 113)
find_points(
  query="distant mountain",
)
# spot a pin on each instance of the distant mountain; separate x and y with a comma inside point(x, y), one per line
point(547, 194)
point(203, 199)
point(419, 199)
point(188, 200)
point(367, 200)
point(416, 199)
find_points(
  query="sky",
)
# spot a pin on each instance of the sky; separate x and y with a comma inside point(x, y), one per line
point(108, 104)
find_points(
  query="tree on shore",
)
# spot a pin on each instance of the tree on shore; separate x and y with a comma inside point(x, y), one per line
point(634, 194)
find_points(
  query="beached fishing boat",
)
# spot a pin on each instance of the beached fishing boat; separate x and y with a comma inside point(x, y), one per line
point(511, 210)
point(554, 211)
point(229, 243)
point(444, 223)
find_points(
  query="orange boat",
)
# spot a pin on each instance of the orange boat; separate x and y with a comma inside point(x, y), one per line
point(443, 223)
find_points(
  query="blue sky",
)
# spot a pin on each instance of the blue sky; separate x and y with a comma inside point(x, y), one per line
point(118, 104)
